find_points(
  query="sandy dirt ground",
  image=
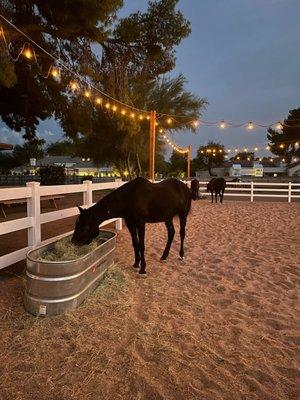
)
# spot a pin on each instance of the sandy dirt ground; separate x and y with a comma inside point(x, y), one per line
point(222, 324)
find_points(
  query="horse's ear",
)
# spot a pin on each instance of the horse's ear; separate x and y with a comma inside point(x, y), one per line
point(79, 208)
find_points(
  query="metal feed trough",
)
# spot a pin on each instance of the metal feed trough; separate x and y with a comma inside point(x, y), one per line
point(54, 287)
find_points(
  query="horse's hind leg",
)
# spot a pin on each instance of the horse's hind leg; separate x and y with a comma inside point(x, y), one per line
point(182, 235)
point(141, 232)
point(216, 196)
point(171, 233)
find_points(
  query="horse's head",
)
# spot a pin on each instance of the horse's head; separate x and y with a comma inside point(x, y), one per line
point(86, 227)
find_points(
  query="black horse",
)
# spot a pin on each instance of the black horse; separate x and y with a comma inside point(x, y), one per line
point(195, 189)
point(138, 202)
point(217, 186)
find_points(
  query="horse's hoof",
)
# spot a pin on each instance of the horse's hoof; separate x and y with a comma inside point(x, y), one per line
point(142, 275)
point(136, 266)
point(163, 260)
point(181, 258)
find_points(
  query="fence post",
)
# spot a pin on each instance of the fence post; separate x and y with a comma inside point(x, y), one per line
point(119, 220)
point(252, 190)
point(88, 194)
point(290, 192)
point(34, 211)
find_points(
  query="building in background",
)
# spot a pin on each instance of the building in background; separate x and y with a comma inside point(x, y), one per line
point(74, 166)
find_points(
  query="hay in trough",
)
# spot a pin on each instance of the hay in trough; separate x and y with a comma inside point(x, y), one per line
point(65, 250)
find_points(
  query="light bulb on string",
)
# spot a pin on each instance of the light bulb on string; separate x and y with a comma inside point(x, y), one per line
point(279, 125)
point(132, 115)
point(98, 100)
point(55, 72)
point(222, 124)
point(245, 149)
point(281, 145)
point(169, 121)
point(107, 105)
point(114, 107)
point(268, 148)
point(27, 53)
point(141, 117)
point(123, 112)
point(161, 131)
point(87, 94)
point(195, 124)
point(283, 160)
point(74, 86)
point(220, 151)
point(255, 149)
point(148, 117)
point(296, 144)
point(250, 125)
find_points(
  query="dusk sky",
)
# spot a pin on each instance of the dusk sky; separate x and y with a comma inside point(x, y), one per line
point(242, 55)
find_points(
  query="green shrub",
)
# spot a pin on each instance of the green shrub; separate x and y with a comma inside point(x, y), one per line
point(52, 175)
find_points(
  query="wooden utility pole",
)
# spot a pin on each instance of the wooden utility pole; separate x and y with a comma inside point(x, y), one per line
point(152, 145)
point(189, 162)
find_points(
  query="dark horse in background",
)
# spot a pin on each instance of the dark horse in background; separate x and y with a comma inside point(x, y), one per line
point(216, 186)
point(195, 185)
point(138, 202)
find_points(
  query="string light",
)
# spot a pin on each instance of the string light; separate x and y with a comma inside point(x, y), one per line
point(114, 108)
point(55, 72)
point(74, 85)
point(107, 105)
point(98, 100)
point(123, 112)
point(141, 117)
point(195, 124)
point(281, 146)
point(132, 115)
point(169, 121)
point(222, 124)
point(250, 125)
point(87, 94)
point(27, 53)
point(161, 131)
point(279, 125)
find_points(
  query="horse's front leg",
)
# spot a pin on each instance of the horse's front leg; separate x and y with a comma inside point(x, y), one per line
point(141, 232)
point(212, 196)
point(182, 235)
point(133, 232)
point(171, 233)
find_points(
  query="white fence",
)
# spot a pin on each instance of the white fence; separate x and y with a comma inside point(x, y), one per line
point(34, 219)
point(287, 190)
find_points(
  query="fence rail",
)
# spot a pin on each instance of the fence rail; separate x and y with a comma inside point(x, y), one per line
point(35, 219)
point(287, 189)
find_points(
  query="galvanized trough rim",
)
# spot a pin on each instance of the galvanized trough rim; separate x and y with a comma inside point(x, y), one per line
point(29, 257)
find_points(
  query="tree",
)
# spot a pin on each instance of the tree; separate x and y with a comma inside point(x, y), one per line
point(22, 154)
point(178, 164)
point(7, 162)
point(285, 142)
point(139, 47)
point(210, 156)
point(63, 148)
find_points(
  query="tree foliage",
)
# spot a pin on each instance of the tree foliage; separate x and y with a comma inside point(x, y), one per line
point(209, 156)
point(23, 153)
point(178, 164)
point(124, 57)
point(282, 142)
